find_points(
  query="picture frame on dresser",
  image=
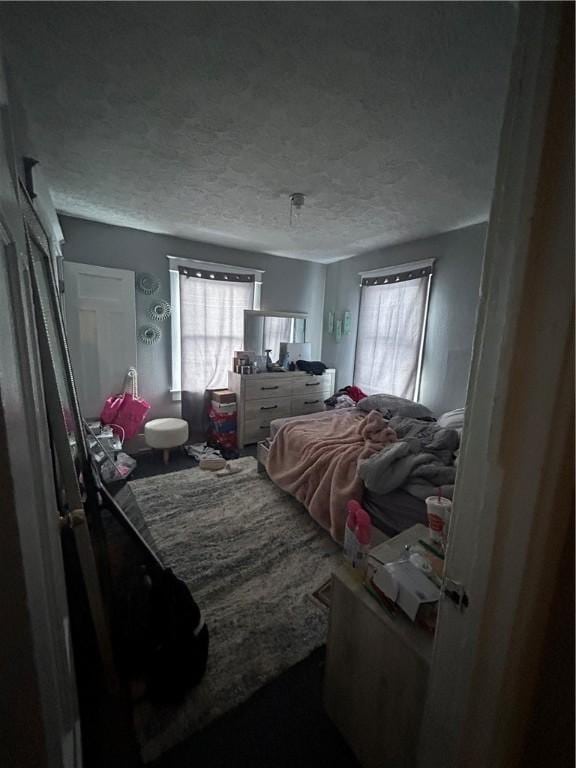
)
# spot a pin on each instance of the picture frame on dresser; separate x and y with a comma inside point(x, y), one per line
point(263, 397)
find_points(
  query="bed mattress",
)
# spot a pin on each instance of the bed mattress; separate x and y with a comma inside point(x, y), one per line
point(390, 512)
point(394, 512)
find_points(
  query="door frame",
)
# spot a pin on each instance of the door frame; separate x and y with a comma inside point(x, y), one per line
point(513, 500)
point(32, 545)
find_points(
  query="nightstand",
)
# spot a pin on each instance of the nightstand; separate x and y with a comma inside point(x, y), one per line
point(377, 667)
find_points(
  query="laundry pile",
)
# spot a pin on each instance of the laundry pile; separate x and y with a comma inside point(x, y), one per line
point(211, 459)
point(420, 461)
point(347, 397)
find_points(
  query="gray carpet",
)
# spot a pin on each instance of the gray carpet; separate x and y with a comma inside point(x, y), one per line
point(253, 559)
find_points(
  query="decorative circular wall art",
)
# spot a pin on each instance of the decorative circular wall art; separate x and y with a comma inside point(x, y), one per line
point(160, 310)
point(147, 283)
point(149, 334)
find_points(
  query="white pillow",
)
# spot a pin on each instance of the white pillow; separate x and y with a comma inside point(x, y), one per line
point(452, 419)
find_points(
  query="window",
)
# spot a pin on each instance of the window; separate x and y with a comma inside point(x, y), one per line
point(391, 327)
point(208, 303)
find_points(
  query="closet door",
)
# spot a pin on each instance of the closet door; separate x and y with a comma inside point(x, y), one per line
point(101, 326)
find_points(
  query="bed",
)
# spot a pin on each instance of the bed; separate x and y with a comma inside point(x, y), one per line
point(391, 511)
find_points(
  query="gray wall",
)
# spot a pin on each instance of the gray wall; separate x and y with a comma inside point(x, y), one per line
point(288, 285)
point(452, 311)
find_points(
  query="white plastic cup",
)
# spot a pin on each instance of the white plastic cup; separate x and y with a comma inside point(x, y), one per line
point(439, 510)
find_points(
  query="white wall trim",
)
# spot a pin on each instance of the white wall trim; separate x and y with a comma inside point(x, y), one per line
point(175, 351)
point(422, 342)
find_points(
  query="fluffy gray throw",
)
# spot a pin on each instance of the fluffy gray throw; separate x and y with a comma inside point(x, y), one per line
point(420, 461)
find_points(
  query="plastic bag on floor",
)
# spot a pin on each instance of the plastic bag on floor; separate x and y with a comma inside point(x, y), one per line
point(119, 469)
point(201, 451)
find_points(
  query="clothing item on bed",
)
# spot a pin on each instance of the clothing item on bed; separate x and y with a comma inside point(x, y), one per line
point(345, 397)
point(339, 401)
point(316, 460)
point(420, 461)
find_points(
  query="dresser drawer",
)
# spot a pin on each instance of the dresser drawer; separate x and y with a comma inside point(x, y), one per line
point(256, 430)
point(257, 388)
point(312, 385)
point(310, 403)
point(267, 409)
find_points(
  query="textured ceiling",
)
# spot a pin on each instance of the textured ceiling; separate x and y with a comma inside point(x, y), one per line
point(199, 119)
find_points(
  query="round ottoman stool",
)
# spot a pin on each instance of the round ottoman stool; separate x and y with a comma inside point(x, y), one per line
point(166, 434)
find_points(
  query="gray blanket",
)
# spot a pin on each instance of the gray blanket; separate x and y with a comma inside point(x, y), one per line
point(421, 461)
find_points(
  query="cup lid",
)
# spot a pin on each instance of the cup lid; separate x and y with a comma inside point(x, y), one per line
point(440, 501)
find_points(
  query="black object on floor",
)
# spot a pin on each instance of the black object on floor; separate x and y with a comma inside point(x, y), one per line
point(150, 463)
point(283, 725)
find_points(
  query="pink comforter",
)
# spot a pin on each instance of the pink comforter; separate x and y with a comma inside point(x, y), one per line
point(316, 460)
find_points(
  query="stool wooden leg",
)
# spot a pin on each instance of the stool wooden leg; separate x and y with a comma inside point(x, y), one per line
point(166, 455)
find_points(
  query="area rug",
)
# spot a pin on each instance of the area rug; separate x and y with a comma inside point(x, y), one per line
point(253, 559)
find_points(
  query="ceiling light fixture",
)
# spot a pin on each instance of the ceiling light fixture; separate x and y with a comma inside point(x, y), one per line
point(296, 205)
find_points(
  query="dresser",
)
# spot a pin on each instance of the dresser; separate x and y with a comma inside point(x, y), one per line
point(263, 397)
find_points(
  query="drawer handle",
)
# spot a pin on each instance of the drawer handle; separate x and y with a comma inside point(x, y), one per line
point(265, 426)
point(311, 402)
point(268, 407)
point(274, 387)
point(313, 384)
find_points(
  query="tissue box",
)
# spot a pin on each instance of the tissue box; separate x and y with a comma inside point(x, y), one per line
point(406, 586)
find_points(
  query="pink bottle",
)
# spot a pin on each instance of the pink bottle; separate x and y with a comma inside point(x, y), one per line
point(357, 535)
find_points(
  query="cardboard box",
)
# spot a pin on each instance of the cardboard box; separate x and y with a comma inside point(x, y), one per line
point(223, 407)
point(403, 584)
point(223, 396)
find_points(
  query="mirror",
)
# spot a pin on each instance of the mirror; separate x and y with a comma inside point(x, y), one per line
point(267, 330)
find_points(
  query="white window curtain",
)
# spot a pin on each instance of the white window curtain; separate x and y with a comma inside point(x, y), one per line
point(211, 329)
point(390, 334)
point(277, 329)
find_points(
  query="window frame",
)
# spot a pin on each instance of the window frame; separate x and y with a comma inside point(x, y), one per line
point(408, 266)
point(174, 278)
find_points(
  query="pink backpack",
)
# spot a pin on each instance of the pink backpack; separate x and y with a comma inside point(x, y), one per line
point(126, 410)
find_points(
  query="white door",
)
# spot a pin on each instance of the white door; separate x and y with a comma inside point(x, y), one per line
point(101, 325)
point(511, 505)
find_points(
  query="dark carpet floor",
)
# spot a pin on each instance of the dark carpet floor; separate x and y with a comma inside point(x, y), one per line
point(283, 725)
point(150, 462)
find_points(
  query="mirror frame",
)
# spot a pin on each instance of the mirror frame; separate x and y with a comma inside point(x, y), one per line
point(272, 313)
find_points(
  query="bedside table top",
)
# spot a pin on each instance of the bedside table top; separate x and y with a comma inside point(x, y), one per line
point(394, 548)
